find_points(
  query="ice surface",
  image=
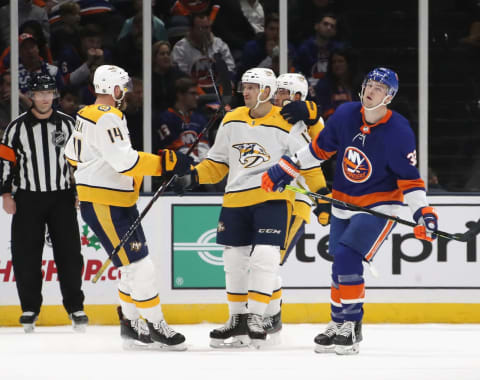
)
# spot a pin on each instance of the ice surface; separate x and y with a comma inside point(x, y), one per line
point(388, 352)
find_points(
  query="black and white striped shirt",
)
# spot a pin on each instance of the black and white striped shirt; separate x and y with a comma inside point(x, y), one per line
point(32, 153)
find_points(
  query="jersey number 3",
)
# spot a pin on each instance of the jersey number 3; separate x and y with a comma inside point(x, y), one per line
point(412, 157)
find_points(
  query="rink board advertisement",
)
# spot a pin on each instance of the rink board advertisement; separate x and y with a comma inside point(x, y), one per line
point(181, 235)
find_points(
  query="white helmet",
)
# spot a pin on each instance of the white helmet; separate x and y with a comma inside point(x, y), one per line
point(107, 77)
point(295, 83)
point(264, 78)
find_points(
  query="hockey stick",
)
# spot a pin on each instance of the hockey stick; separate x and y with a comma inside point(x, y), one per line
point(471, 233)
point(165, 184)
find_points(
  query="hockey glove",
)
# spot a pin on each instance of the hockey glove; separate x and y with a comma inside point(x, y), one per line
point(427, 220)
point(175, 162)
point(323, 211)
point(186, 182)
point(280, 174)
point(300, 110)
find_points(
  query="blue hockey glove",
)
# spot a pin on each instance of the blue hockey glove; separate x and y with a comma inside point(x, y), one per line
point(427, 220)
point(300, 110)
point(280, 174)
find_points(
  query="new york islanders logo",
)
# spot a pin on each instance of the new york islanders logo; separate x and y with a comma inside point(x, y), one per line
point(356, 165)
point(252, 154)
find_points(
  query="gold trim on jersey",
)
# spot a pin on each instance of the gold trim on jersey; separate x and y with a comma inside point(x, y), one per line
point(255, 196)
point(105, 219)
point(110, 197)
point(94, 112)
point(145, 304)
point(271, 119)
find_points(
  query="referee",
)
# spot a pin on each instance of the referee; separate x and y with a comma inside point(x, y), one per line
point(32, 163)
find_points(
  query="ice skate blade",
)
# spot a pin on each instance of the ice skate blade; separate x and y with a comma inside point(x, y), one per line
point(273, 339)
point(320, 349)
point(79, 328)
point(134, 345)
point(28, 328)
point(347, 350)
point(258, 343)
point(239, 341)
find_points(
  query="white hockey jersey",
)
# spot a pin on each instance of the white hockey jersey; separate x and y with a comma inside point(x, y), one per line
point(245, 148)
point(109, 171)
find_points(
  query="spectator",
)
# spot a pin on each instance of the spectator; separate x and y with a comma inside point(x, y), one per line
point(78, 62)
point(66, 30)
point(30, 27)
point(178, 127)
point(27, 10)
point(303, 15)
point(44, 197)
point(5, 103)
point(158, 27)
point(313, 54)
point(339, 84)
point(253, 11)
point(262, 46)
point(164, 75)
point(30, 63)
point(128, 51)
point(134, 113)
point(69, 101)
point(194, 54)
point(232, 25)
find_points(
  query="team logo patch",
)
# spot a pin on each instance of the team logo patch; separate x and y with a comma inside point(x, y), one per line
point(356, 165)
point(135, 246)
point(220, 226)
point(104, 108)
point(59, 138)
point(252, 154)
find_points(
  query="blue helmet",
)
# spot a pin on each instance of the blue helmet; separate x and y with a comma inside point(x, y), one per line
point(385, 76)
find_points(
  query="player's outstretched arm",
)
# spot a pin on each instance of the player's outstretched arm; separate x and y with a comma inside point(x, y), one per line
point(299, 110)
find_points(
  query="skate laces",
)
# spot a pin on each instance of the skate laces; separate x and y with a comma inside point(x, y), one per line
point(268, 322)
point(347, 329)
point(332, 329)
point(231, 323)
point(255, 323)
point(140, 326)
point(164, 328)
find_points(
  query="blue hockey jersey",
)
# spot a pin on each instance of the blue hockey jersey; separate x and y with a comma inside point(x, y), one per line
point(376, 164)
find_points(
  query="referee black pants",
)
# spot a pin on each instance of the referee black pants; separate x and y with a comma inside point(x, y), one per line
point(35, 210)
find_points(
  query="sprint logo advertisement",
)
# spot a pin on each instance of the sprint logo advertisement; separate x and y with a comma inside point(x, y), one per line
point(197, 260)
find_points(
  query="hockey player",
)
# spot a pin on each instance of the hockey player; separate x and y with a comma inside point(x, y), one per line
point(108, 176)
point(253, 224)
point(293, 87)
point(375, 169)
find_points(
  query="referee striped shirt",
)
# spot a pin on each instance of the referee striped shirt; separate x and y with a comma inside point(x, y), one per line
point(32, 153)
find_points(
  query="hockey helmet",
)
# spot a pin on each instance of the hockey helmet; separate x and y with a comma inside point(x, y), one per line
point(295, 83)
point(42, 82)
point(107, 77)
point(263, 77)
point(386, 76)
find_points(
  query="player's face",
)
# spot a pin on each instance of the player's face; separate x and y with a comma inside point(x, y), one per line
point(250, 93)
point(281, 96)
point(42, 100)
point(374, 93)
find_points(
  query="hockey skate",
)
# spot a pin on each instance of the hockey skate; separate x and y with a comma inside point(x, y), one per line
point(324, 340)
point(164, 337)
point(348, 338)
point(28, 319)
point(79, 321)
point(272, 325)
point(134, 333)
point(256, 332)
point(231, 335)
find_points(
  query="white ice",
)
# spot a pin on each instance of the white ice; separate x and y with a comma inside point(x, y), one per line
point(388, 352)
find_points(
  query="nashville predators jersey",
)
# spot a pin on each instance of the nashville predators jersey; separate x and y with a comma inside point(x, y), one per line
point(244, 149)
point(108, 170)
point(311, 179)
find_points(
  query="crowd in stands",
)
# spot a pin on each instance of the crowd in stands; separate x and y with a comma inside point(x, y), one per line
point(332, 42)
